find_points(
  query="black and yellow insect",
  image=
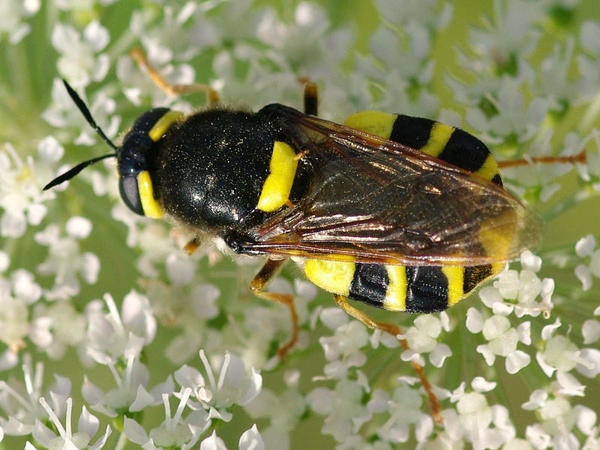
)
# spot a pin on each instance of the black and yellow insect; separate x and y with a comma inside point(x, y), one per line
point(399, 212)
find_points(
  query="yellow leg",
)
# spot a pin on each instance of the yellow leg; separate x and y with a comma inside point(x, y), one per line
point(395, 330)
point(172, 89)
point(258, 284)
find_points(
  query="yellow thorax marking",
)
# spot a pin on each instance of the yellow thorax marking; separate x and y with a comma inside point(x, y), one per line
point(278, 185)
point(162, 125)
point(149, 204)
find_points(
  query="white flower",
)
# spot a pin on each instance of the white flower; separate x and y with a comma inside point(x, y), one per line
point(559, 353)
point(63, 327)
point(176, 430)
point(345, 413)
point(558, 418)
point(232, 385)
point(502, 339)
point(21, 181)
point(284, 411)
point(130, 393)
point(343, 349)
point(588, 61)
point(22, 399)
point(78, 62)
point(112, 336)
point(422, 338)
point(521, 289)
point(12, 13)
point(585, 248)
point(483, 425)
point(64, 259)
point(88, 426)
point(16, 325)
point(402, 409)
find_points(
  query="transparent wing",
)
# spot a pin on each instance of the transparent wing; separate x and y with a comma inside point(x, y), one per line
point(374, 200)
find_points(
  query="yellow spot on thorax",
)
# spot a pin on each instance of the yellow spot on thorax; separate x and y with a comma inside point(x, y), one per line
point(162, 125)
point(149, 204)
point(277, 187)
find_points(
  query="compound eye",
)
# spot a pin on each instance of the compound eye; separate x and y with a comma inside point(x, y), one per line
point(128, 187)
point(134, 154)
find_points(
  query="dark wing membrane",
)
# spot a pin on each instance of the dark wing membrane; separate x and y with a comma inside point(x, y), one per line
point(374, 200)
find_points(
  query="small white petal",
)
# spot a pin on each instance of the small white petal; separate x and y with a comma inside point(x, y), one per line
point(79, 227)
point(517, 360)
point(536, 400)
point(538, 437)
point(251, 440)
point(333, 318)
point(488, 355)
point(508, 284)
point(90, 267)
point(135, 432)
point(569, 385)
point(495, 327)
point(585, 418)
point(585, 246)
point(96, 35)
point(4, 261)
point(480, 384)
point(321, 400)
point(439, 354)
point(213, 442)
point(50, 149)
point(180, 269)
point(595, 264)
point(590, 331)
point(474, 321)
point(524, 330)
point(531, 262)
point(584, 275)
point(589, 362)
point(549, 330)
point(88, 423)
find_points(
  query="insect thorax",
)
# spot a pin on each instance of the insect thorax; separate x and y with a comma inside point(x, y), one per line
point(210, 168)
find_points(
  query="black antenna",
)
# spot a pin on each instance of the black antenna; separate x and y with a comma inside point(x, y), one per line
point(75, 170)
point(88, 117)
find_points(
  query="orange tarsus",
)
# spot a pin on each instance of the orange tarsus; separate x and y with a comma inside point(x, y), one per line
point(579, 158)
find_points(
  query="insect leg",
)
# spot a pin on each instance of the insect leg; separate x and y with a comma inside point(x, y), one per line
point(580, 157)
point(172, 89)
point(394, 330)
point(258, 284)
point(311, 96)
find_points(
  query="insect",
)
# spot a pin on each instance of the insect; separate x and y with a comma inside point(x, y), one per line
point(398, 212)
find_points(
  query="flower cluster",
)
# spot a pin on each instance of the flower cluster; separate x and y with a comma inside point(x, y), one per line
point(154, 348)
